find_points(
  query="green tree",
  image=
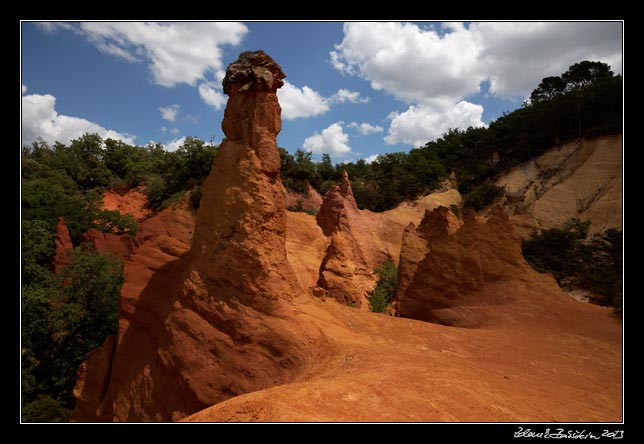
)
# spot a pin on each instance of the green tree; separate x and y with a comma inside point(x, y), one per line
point(482, 196)
point(548, 89)
point(325, 168)
point(130, 164)
point(85, 157)
point(173, 172)
point(582, 74)
point(62, 321)
point(112, 221)
point(198, 158)
point(305, 168)
point(37, 251)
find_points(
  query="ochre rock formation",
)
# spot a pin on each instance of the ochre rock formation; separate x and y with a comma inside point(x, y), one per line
point(437, 223)
point(64, 246)
point(201, 324)
point(309, 201)
point(242, 250)
point(552, 359)
point(345, 271)
point(119, 245)
point(582, 178)
point(360, 240)
point(131, 202)
point(540, 355)
point(448, 283)
point(148, 271)
point(306, 246)
point(93, 375)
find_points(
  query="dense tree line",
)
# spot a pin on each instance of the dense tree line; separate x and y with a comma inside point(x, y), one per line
point(66, 315)
point(585, 101)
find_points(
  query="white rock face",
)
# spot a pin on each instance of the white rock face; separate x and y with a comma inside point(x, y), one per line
point(582, 179)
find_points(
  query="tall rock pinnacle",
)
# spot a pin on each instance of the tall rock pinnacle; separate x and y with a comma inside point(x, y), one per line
point(344, 273)
point(239, 241)
point(218, 321)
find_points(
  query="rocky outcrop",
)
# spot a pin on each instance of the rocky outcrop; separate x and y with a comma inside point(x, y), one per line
point(360, 240)
point(309, 201)
point(202, 323)
point(448, 283)
point(132, 202)
point(306, 246)
point(241, 250)
point(119, 245)
point(149, 271)
point(64, 246)
point(93, 376)
point(581, 178)
point(345, 272)
point(437, 223)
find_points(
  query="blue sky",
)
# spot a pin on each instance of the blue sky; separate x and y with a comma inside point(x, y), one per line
point(354, 90)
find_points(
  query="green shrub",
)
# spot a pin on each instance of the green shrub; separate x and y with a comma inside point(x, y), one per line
point(378, 300)
point(385, 289)
point(311, 211)
point(155, 191)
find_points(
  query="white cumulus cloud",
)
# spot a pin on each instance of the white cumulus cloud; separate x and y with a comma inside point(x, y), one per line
point(169, 113)
point(212, 95)
point(516, 56)
point(165, 129)
point(345, 95)
point(24, 89)
point(304, 102)
point(366, 128)
point(175, 144)
point(408, 62)
point(176, 52)
point(41, 120)
point(371, 158)
point(332, 140)
point(300, 102)
point(426, 66)
point(422, 123)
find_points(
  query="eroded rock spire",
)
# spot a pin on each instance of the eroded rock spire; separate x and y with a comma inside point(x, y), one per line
point(219, 321)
